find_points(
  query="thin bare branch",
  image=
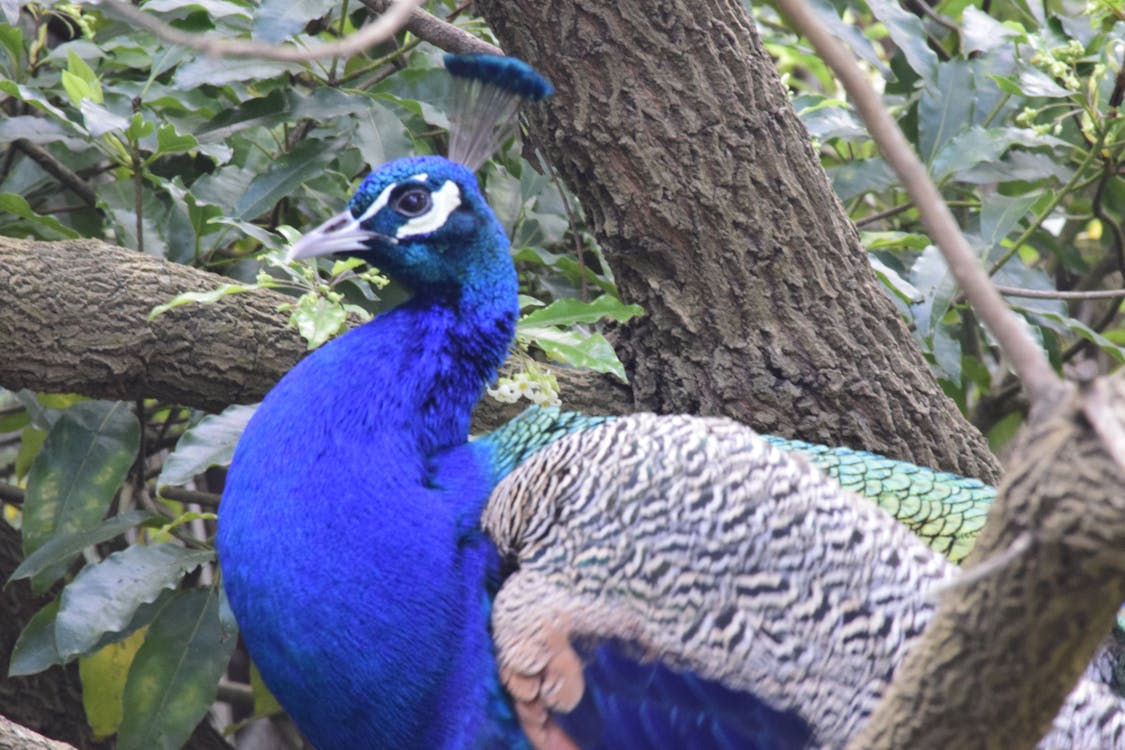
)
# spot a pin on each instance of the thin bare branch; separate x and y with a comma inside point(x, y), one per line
point(379, 30)
point(437, 32)
point(1015, 291)
point(58, 170)
point(1027, 360)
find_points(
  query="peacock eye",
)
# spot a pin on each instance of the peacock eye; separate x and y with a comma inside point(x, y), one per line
point(412, 202)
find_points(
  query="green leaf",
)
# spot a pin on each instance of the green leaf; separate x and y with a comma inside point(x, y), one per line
point(909, 35)
point(103, 598)
point(206, 298)
point(941, 116)
point(36, 130)
point(284, 177)
point(265, 704)
point(72, 481)
point(1067, 324)
point(100, 120)
point(35, 648)
point(138, 128)
point(215, 8)
point(280, 20)
point(168, 141)
point(1000, 214)
point(591, 352)
point(1037, 83)
point(980, 32)
point(60, 550)
point(893, 240)
point(31, 442)
point(568, 312)
point(318, 319)
point(946, 351)
point(273, 109)
point(175, 675)
point(209, 443)
point(218, 71)
point(930, 275)
point(40, 101)
point(902, 288)
point(860, 176)
point(1007, 85)
point(11, 39)
point(380, 135)
point(80, 80)
point(18, 206)
point(343, 266)
point(975, 146)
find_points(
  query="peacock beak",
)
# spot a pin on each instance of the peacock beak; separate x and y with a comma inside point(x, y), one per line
point(343, 233)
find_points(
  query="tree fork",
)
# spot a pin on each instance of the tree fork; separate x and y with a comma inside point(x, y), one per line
point(717, 217)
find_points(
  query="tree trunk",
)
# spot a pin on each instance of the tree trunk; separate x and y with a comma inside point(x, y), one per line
point(672, 128)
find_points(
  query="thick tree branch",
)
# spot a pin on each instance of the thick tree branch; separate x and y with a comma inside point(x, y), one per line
point(1005, 648)
point(1043, 584)
point(75, 320)
point(437, 32)
point(15, 737)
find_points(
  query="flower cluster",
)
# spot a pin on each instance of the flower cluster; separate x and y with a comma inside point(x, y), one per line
point(535, 385)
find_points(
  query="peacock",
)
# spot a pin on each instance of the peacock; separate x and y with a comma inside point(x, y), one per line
point(567, 580)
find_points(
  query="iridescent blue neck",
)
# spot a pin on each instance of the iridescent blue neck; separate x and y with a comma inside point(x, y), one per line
point(349, 534)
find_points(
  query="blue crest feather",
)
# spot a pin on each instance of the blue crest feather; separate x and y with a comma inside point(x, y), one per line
point(486, 95)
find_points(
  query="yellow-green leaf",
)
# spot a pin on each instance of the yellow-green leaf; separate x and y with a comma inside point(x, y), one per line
point(264, 702)
point(103, 676)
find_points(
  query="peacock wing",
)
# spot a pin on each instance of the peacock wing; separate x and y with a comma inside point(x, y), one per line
point(737, 578)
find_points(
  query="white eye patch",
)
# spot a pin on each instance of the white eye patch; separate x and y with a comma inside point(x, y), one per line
point(376, 205)
point(446, 199)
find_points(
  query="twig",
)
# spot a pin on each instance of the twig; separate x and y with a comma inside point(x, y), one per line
point(1015, 291)
point(439, 33)
point(11, 494)
point(58, 170)
point(181, 495)
point(987, 567)
point(924, 8)
point(379, 30)
point(237, 694)
point(1027, 360)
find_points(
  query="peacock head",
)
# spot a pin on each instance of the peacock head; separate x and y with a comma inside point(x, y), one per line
point(420, 220)
point(423, 220)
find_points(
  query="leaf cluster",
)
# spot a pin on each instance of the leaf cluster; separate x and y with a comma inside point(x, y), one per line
point(1014, 110)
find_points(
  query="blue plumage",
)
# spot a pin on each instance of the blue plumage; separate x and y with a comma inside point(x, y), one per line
point(350, 542)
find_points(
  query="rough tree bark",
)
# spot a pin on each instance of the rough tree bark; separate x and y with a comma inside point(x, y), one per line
point(76, 320)
point(671, 126)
